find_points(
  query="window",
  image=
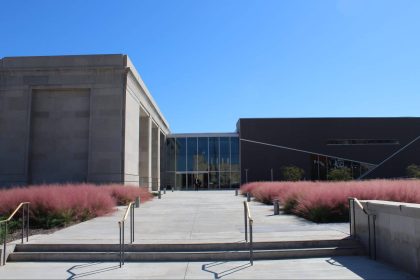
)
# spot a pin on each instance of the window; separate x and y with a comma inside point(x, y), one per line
point(224, 161)
point(214, 153)
point(363, 142)
point(181, 154)
point(202, 155)
point(191, 154)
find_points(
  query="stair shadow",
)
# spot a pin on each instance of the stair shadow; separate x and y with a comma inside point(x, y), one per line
point(366, 268)
point(74, 275)
point(219, 275)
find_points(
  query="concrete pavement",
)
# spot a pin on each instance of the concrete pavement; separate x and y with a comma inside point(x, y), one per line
point(196, 217)
point(316, 268)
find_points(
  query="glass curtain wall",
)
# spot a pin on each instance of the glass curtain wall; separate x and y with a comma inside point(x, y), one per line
point(209, 162)
point(322, 165)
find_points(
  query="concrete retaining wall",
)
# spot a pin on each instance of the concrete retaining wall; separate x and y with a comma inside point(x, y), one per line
point(394, 232)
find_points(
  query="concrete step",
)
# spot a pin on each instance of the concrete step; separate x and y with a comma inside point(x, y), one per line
point(186, 256)
point(186, 247)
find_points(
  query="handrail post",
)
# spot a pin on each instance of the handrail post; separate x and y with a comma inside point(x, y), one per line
point(132, 228)
point(246, 222)
point(23, 222)
point(251, 249)
point(131, 225)
point(122, 242)
point(27, 222)
point(374, 236)
point(4, 243)
point(120, 253)
point(354, 217)
point(370, 250)
point(351, 205)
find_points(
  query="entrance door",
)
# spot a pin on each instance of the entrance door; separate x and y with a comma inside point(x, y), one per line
point(202, 177)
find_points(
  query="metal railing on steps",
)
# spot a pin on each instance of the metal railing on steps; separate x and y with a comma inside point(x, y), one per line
point(121, 225)
point(371, 217)
point(25, 225)
point(249, 223)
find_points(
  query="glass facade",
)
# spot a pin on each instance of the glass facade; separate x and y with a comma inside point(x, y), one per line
point(322, 165)
point(205, 162)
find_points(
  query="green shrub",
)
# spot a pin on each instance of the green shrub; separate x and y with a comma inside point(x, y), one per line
point(326, 214)
point(292, 173)
point(13, 225)
point(340, 174)
point(413, 171)
point(290, 204)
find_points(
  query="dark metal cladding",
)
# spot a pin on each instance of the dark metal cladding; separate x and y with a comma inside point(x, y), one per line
point(370, 147)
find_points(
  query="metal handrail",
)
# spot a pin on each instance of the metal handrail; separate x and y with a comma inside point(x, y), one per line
point(248, 220)
point(22, 205)
point(121, 225)
point(352, 202)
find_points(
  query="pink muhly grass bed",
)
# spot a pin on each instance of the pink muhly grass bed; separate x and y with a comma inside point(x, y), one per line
point(62, 204)
point(126, 194)
point(328, 201)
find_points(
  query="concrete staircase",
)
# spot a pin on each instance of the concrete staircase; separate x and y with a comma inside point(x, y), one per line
point(185, 252)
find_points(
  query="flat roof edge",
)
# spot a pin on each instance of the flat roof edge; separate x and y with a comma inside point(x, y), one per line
point(204, 134)
point(332, 118)
point(63, 61)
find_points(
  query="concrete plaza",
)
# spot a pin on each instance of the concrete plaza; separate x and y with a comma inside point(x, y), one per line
point(196, 217)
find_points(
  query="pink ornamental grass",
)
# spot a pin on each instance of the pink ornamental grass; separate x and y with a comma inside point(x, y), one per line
point(58, 205)
point(126, 194)
point(328, 201)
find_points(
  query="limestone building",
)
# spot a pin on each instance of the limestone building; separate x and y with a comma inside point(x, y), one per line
point(85, 118)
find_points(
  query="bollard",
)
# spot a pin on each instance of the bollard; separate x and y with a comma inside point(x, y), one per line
point(159, 195)
point(248, 197)
point(236, 192)
point(164, 190)
point(172, 189)
point(138, 202)
point(276, 207)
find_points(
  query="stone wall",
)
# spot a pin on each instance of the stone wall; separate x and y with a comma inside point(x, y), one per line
point(72, 119)
point(394, 232)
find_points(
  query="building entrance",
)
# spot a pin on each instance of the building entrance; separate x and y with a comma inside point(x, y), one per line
point(202, 180)
point(212, 159)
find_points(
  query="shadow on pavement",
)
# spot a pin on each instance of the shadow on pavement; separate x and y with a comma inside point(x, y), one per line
point(91, 271)
point(219, 275)
point(366, 268)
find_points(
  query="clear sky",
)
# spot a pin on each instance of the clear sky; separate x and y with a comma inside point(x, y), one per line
point(209, 62)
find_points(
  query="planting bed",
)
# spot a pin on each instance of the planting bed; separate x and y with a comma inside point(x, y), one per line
point(55, 206)
point(324, 202)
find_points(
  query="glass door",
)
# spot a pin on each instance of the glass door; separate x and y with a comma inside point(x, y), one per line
point(198, 180)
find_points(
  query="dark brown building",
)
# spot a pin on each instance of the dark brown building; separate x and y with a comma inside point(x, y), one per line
point(369, 147)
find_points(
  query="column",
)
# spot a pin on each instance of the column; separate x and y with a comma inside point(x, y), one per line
point(145, 150)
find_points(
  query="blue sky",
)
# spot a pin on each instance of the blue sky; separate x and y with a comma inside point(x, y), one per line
point(208, 62)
